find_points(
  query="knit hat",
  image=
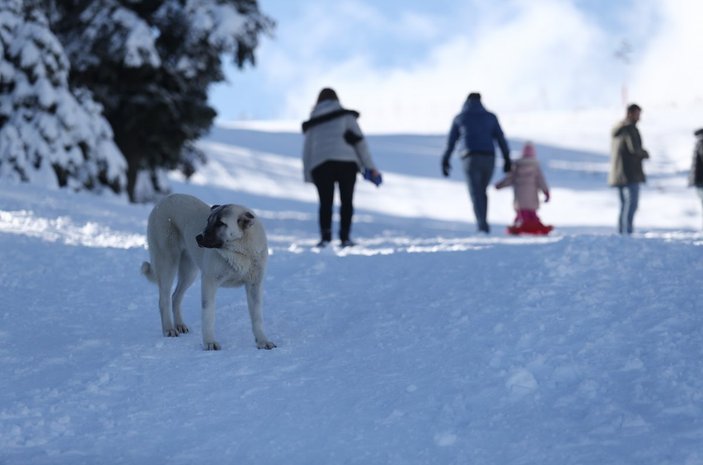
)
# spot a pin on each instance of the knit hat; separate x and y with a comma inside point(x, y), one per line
point(327, 94)
point(528, 151)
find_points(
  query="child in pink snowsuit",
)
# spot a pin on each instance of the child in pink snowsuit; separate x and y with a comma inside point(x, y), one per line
point(527, 180)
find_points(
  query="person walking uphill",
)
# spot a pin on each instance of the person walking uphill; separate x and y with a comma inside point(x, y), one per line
point(333, 152)
point(696, 175)
point(478, 129)
point(626, 172)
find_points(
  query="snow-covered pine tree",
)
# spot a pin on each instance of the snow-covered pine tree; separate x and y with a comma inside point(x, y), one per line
point(48, 133)
point(150, 64)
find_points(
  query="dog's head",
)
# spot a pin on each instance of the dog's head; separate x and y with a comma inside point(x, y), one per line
point(226, 223)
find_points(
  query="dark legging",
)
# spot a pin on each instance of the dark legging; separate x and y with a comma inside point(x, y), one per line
point(325, 176)
point(479, 170)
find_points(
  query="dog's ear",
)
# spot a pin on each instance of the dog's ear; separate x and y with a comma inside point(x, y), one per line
point(245, 220)
point(213, 207)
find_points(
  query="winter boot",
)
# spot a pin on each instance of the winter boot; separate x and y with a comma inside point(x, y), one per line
point(325, 238)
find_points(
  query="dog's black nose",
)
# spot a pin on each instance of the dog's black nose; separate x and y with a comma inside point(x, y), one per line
point(199, 240)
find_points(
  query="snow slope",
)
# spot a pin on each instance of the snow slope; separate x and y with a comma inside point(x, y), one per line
point(426, 344)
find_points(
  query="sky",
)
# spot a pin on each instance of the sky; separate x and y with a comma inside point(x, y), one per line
point(408, 65)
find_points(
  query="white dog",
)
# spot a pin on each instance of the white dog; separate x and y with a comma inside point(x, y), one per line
point(226, 243)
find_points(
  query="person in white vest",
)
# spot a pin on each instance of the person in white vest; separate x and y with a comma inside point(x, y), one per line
point(334, 151)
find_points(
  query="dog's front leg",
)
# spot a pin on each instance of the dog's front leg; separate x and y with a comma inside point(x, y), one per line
point(254, 300)
point(209, 289)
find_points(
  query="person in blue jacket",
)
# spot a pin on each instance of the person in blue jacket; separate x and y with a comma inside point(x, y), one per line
point(695, 178)
point(478, 129)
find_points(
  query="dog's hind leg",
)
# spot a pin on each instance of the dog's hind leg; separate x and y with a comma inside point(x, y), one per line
point(166, 272)
point(187, 272)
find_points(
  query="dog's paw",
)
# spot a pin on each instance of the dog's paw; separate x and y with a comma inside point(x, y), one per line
point(212, 346)
point(268, 345)
point(171, 332)
point(182, 329)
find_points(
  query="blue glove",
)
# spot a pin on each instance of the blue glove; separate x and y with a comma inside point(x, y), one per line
point(368, 175)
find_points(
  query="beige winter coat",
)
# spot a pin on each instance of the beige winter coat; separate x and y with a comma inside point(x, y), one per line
point(626, 155)
point(326, 141)
point(527, 180)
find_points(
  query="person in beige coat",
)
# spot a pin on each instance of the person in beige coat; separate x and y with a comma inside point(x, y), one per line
point(527, 180)
point(626, 172)
point(334, 151)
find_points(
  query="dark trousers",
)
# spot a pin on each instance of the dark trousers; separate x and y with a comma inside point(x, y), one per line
point(629, 201)
point(325, 176)
point(479, 170)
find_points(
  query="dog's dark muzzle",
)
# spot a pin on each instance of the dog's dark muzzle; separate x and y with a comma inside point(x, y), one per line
point(208, 242)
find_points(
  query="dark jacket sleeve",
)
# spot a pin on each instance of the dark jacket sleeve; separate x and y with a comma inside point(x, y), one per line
point(452, 139)
point(500, 138)
point(696, 174)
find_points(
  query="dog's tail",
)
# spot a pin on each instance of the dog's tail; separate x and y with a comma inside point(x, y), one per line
point(148, 272)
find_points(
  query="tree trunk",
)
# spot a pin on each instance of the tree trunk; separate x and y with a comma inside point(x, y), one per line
point(132, 172)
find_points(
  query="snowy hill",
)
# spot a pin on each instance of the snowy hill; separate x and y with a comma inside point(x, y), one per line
point(426, 344)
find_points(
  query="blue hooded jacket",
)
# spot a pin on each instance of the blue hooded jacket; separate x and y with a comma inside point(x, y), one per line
point(478, 129)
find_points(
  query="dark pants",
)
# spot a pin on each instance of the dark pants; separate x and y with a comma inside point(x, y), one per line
point(479, 171)
point(325, 176)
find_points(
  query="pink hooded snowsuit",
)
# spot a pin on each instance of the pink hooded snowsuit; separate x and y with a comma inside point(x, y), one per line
point(527, 180)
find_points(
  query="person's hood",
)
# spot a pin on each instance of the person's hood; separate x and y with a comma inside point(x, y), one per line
point(621, 127)
point(472, 105)
point(324, 111)
point(324, 107)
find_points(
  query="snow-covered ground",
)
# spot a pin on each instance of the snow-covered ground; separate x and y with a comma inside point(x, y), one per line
point(425, 344)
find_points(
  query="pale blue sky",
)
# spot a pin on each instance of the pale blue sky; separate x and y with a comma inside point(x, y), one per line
point(407, 63)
